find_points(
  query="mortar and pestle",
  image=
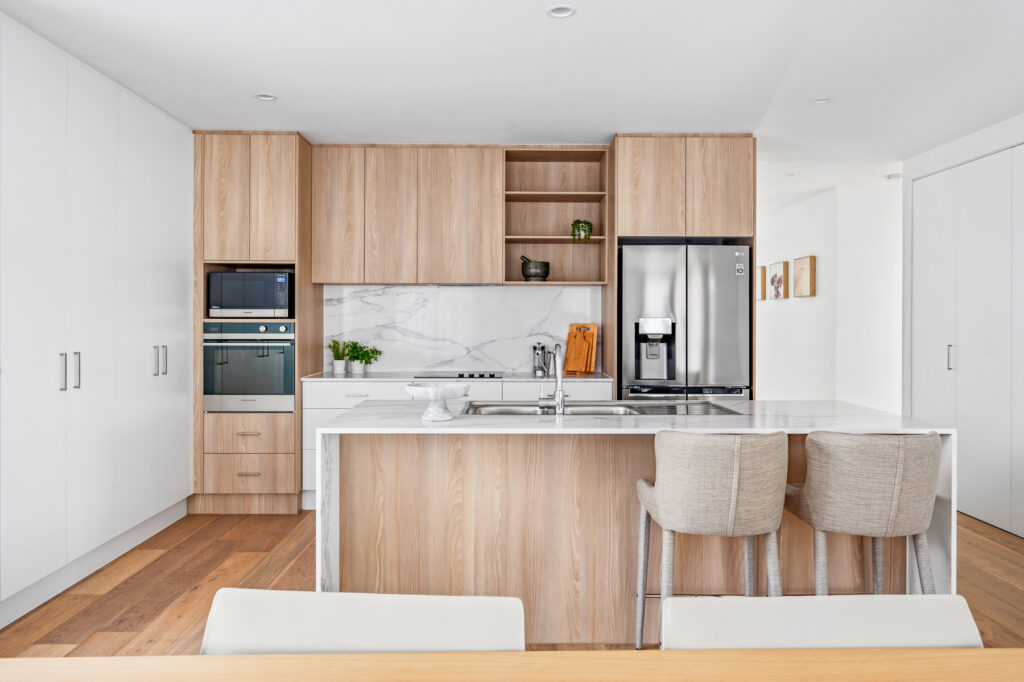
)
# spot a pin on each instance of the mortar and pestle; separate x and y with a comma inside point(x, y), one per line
point(535, 270)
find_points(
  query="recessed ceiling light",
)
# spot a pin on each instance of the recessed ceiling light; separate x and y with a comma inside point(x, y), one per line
point(821, 100)
point(561, 11)
point(790, 175)
point(264, 97)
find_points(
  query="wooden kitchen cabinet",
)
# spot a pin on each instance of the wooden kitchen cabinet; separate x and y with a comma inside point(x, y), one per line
point(338, 218)
point(273, 197)
point(226, 197)
point(248, 474)
point(390, 247)
point(250, 197)
point(650, 174)
point(459, 215)
point(719, 187)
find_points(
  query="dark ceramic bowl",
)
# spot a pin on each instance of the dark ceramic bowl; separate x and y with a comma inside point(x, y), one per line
point(536, 270)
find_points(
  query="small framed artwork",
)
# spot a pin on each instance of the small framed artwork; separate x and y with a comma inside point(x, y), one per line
point(761, 293)
point(803, 276)
point(778, 280)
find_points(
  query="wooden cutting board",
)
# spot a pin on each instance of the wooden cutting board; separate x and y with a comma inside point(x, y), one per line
point(581, 348)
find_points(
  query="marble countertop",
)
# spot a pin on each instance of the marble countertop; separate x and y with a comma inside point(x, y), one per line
point(755, 416)
point(409, 376)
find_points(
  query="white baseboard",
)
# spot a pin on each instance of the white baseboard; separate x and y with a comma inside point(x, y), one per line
point(308, 499)
point(20, 603)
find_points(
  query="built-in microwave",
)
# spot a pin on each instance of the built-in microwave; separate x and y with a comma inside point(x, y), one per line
point(250, 294)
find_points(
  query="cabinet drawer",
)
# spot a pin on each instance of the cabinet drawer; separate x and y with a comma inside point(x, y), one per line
point(249, 473)
point(345, 394)
point(262, 432)
point(574, 390)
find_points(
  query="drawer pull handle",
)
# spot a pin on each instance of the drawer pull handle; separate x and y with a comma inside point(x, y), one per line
point(248, 433)
point(249, 473)
point(357, 395)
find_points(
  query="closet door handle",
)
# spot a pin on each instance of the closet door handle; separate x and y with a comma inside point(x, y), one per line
point(156, 361)
point(63, 371)
point(78, 369)
point(357, 395)
point(163, 352)
point(950, 356)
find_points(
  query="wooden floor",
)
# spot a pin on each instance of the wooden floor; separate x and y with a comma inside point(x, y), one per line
point(154, 599)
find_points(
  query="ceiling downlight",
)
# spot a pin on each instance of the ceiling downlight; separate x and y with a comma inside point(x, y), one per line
point(561, 11)
point(265, 97)
point(821, 100)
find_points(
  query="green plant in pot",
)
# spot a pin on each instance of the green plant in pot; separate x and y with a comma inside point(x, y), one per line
point(359, 356)
point(338, 353)
point(581, 230)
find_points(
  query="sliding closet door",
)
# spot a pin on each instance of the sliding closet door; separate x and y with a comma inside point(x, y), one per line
point(983, 351)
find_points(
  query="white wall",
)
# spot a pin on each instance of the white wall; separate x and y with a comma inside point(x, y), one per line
point(844, 343)
point(796, 337)
point(869, 291)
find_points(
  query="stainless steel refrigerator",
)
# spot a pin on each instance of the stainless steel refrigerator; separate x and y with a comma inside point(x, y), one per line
point(684, 320)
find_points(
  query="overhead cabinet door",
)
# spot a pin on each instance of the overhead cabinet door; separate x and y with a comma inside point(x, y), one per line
point(273, 196)
point(391, 232)
point(460, 204)
point(650, 186)
point(720, 187)
point(33, 314)
point(226, 202)
point(338, 215)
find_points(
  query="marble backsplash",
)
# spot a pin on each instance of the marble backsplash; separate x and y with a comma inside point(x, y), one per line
point(456, 327)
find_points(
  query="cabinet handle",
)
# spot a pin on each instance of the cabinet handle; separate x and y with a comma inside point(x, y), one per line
point(64, 371)
point(249, 473)
point(78, 370)
point(248, 433)
point(950, 356)
point(357, 395)
point(163, 351)
point(156, 361)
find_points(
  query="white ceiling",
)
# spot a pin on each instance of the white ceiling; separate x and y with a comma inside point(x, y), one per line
point(906, 75)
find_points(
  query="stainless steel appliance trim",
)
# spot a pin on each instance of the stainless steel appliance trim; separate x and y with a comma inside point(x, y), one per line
point(249, 403)
point(64, 371)
point(259, 336)
point(248, 312)
point(227, 344)
point(78, 369)
point(163, 352)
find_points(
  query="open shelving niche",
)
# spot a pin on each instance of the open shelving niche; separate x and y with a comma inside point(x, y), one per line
point(545, 191)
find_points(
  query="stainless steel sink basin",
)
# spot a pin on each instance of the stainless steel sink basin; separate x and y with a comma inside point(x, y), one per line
point(573, 408)
point(600, 407)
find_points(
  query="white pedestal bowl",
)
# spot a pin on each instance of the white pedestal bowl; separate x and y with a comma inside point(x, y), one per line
point(437, 393)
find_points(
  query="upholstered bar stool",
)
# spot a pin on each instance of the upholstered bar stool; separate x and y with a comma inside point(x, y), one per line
point(713, 484)
point(873, 485)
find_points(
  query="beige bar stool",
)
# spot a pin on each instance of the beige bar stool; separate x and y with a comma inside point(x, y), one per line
point(713, 484)
point(873, 485)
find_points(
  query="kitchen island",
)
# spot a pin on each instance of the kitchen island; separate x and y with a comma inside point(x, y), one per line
point(545, 508)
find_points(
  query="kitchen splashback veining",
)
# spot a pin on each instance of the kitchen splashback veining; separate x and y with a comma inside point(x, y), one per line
point(456, 327)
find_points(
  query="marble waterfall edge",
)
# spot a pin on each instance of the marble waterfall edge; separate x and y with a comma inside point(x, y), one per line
point(437, 327)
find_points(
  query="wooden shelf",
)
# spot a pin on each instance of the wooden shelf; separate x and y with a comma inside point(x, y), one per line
point(573, 197)
point(549, 239)
point(556, 155)
point(556, 284)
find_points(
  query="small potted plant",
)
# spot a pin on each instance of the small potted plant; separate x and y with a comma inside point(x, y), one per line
point(338, 365)
point(581, 230)
point(359, 356)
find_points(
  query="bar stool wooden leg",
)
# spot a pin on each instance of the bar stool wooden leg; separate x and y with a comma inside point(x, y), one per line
point(771, 552)
point(643, 549)
point(924, 564)
point(749, 565)
point(820, 563)
point(878, 560)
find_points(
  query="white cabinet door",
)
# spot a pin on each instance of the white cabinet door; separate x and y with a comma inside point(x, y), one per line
point(574, 390)
point(170, 172)
point(983, 411)
point(933, 288)
point(1017, 361)
point(137, 338)
point(33, 314)
point(93, 422)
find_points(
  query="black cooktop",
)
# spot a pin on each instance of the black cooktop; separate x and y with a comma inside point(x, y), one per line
point(459, 374)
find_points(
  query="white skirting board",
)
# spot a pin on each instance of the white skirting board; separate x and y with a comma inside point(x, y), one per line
point(308, 499)
point(22, 602)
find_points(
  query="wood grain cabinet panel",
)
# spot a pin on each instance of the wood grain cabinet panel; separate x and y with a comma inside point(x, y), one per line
point(338, 223)
point(720, 187)
point(249, 432)
point(650, 177)
point(248, 473)
point(273, 198)
point(460, 205)
point(390, 205)
point(226, 197)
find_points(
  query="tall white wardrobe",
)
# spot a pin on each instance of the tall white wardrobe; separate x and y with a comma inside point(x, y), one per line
point(95, 314)
point(967, 325)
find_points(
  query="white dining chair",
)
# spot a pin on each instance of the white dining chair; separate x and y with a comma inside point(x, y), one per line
point(243, 621)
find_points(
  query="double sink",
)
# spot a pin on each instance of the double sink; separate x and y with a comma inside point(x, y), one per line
point(600, 408)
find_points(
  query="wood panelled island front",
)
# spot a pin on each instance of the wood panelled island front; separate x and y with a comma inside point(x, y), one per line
point(548, 517)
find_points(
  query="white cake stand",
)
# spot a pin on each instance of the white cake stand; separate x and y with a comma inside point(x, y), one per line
point(437, 392)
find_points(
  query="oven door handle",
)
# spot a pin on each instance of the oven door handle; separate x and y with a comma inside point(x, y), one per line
point(254, 344)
